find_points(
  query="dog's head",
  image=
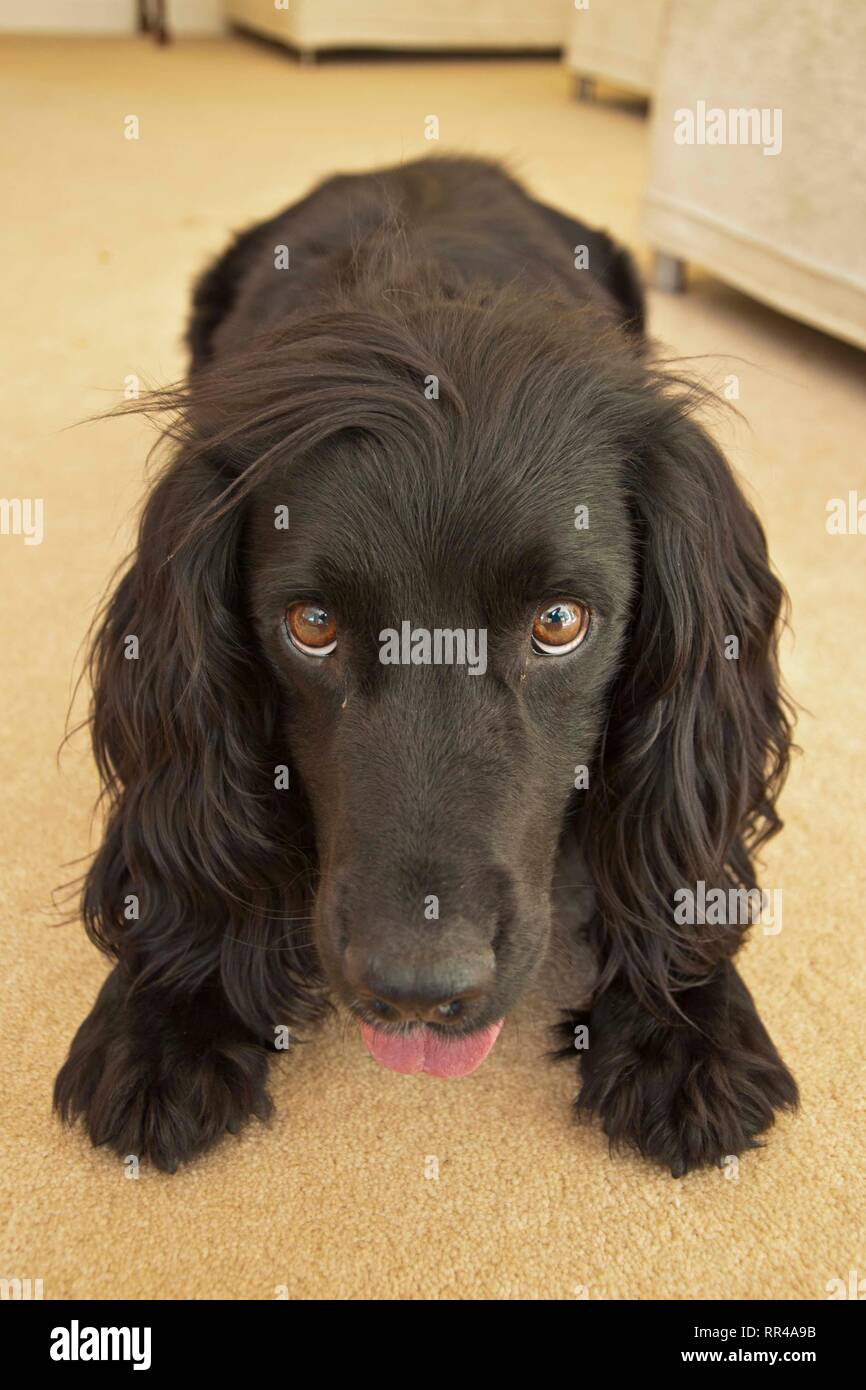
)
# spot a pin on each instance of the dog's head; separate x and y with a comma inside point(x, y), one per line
point(420, 593)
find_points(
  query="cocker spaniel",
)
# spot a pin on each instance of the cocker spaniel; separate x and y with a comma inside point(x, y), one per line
point(446, 656)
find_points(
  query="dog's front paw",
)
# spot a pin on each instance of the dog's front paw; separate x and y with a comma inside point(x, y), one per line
point(152, 1084)
point(687, 1095)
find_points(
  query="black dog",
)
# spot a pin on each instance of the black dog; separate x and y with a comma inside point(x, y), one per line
point(432, 680)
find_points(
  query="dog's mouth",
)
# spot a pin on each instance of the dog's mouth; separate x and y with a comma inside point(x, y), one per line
point(424, 1049)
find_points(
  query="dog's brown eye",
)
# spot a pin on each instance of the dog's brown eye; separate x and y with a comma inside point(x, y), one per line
point(312, 629)
point(560, 627)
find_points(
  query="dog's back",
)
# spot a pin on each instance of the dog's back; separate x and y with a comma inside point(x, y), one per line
point(466, 220)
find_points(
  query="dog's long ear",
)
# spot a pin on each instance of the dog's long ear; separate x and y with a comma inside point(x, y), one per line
point(192, 884)
point(698, 741)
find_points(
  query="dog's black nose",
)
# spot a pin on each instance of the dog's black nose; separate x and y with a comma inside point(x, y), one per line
point(437, 992)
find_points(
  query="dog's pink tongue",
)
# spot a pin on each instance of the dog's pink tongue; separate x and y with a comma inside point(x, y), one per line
point(424, 1050)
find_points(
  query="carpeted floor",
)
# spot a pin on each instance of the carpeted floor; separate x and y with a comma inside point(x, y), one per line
point(100, 240)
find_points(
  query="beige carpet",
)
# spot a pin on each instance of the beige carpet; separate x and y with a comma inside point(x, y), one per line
point(100, 240)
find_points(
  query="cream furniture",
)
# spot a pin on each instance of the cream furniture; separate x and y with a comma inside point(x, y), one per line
point(779, 208)
point(309, 25)
point(616, 41)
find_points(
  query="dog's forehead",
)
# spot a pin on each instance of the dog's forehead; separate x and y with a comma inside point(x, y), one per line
point(420, 523)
